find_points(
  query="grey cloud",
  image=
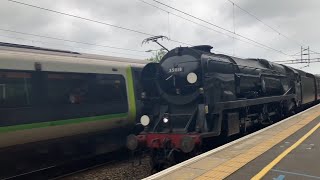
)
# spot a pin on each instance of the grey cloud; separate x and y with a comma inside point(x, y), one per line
point(297, 19)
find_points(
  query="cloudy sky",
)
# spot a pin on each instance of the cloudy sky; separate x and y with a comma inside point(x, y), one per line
point(297, 20)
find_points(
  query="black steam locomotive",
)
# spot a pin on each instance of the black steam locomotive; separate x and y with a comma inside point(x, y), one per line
point(193, 95)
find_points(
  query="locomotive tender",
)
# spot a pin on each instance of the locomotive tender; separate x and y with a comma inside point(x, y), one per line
point(193, 95)
point(53, 99)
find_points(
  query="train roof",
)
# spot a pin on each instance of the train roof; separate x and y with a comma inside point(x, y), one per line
point(21, 57)
point(57, 52)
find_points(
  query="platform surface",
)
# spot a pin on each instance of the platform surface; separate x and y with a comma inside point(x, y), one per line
point(289, 149)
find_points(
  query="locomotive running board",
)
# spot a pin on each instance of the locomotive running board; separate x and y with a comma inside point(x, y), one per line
point(220, 106)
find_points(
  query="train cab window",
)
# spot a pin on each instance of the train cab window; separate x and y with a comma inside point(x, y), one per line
point(15, 89)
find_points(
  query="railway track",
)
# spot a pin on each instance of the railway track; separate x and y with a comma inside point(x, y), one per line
point(114, 171)
point(116, 165)
point(74, 166)
point(126, 171)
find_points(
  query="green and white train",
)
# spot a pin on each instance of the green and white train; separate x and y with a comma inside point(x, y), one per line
point(50, 95)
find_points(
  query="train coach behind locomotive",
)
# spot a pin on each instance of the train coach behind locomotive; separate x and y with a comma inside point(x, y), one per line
point(193, 95)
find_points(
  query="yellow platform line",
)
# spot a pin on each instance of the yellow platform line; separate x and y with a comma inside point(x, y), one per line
point(220, 172)
point(266, 169)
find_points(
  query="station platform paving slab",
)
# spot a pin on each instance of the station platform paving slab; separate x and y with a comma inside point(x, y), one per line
point(289, 149)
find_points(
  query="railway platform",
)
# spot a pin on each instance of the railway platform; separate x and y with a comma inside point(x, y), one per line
point(289, 149)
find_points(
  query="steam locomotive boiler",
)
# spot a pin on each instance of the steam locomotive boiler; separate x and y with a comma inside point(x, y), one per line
point(193, 95)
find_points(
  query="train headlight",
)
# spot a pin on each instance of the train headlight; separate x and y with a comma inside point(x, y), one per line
point(165, 120)
point(145, 120)
point(192, 78)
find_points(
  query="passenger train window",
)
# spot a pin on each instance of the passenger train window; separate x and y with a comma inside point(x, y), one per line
point(108, 88)
point(15, 89)
point(2, 91)
point(73, 88)
point(63, 88)
point(137, 83)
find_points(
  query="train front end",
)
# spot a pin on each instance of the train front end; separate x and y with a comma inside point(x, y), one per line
point(174, 104)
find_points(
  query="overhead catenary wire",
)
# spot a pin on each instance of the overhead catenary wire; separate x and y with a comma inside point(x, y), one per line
point(233, 37)
point(313, 60)
point(72, 41)
point(83, 18)
point(68, 40)
point(219, 27)
point(234, 27)
point(186, 19)
point(149, 34)
point(314, 52)
point(43, 42)
point(304, 66)
point(67, 14)
point(144, 33)
point(296, 54)
point(298, 60)
point(95, 21)
point(270, 27)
